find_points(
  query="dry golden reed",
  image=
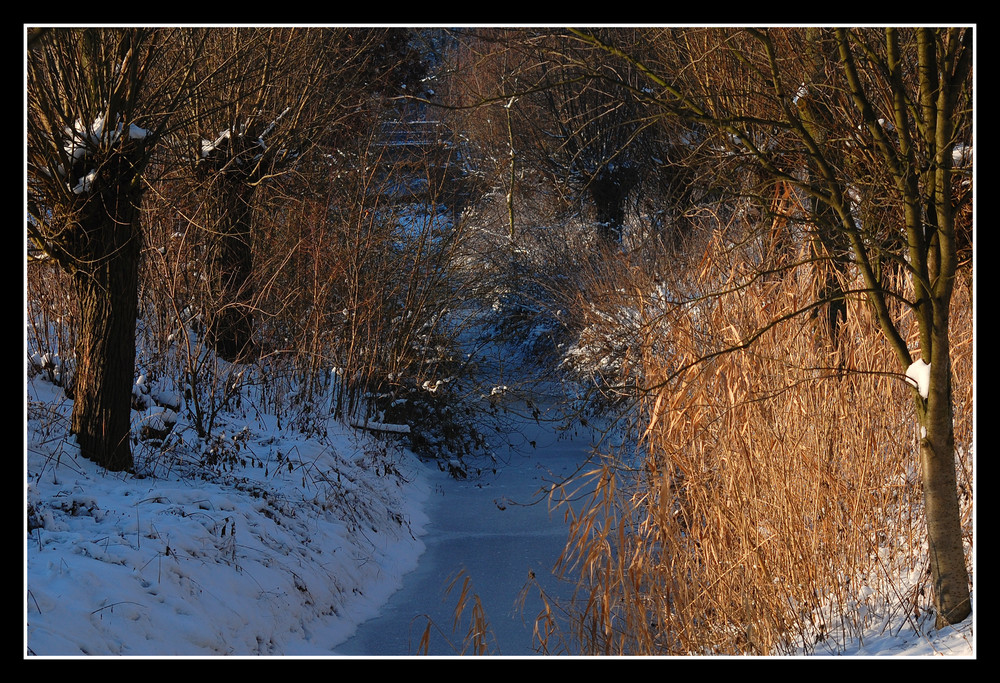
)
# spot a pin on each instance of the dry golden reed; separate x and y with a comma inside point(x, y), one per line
point(774, 502)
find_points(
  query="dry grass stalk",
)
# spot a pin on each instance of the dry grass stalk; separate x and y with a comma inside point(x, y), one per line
point(478, 638)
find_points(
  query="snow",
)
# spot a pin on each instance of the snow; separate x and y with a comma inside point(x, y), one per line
point(264, 541)
point(85, 183)
point(919, 376)
point(283, 554)
point(209, 146)
point(82, 139)
point(288, 544)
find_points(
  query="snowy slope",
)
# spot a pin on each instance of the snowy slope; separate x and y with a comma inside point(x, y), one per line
point(282, 553)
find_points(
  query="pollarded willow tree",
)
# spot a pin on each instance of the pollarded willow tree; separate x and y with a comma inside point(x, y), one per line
point(99, 102)
point(865, 125)
point(275, 104)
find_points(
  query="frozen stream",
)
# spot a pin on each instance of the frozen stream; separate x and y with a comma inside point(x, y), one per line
point(481, 526)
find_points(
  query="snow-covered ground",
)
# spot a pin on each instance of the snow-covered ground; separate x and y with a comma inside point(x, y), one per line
point(282, 551)
point(294, 544)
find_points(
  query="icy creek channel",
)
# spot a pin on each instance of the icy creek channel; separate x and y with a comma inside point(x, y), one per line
point(486, 527)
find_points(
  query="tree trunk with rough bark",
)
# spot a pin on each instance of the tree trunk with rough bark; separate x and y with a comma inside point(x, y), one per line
point(106, 283)
point(230, 327)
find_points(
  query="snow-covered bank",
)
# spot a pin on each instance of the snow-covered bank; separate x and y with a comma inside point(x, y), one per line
point(282, 551)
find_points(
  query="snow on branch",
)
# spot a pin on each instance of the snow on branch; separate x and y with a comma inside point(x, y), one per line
point(919, 375)
point(373, 426)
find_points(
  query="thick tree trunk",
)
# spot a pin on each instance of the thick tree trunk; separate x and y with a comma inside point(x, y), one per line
point(937, 465)
point(106, 284)
point(230, 328)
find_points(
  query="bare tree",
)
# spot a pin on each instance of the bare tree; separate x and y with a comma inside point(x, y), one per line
point(99, 101)
point(541, 104)
point(274, 97)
